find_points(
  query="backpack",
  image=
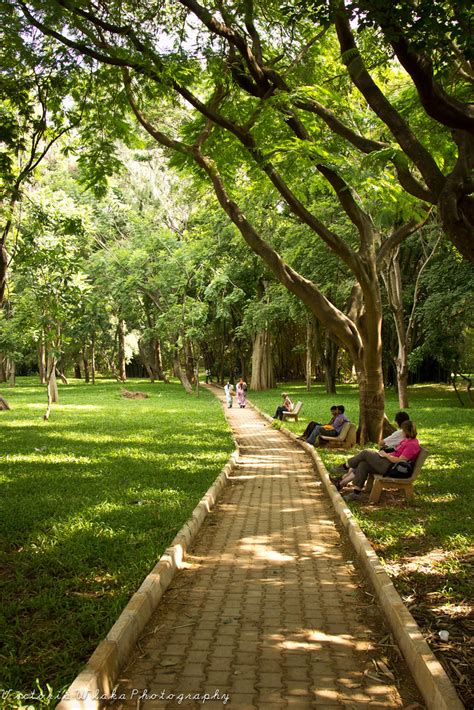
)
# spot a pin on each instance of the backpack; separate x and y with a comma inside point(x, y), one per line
point(400, 469)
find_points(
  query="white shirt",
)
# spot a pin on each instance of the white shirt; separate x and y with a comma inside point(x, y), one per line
point(394, 439)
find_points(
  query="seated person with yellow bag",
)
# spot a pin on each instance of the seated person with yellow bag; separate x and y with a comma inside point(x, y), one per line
point(332, 428)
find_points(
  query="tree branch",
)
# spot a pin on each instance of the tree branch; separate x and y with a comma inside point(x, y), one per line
point(361, 78)
point(355, 213)
point(445, 109)
point(399, 235)
point(227, 33)
point(411, 320)
point(251, 29)
point(158, 135)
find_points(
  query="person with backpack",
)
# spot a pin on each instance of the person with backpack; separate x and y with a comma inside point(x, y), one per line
point(398, 464)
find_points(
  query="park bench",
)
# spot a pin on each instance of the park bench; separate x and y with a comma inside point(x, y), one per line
point(376, 483)
point(294, 413)
point(346, 439)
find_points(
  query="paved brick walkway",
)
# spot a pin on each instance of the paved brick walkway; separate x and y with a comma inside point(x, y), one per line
point(269, 612)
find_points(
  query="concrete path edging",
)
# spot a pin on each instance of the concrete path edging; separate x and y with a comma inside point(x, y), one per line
point(95, 683)
point(429, 675)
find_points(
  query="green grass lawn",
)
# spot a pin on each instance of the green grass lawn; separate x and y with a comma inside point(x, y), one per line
point(89, 502)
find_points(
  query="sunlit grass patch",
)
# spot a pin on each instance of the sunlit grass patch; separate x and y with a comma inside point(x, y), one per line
point(89, 502)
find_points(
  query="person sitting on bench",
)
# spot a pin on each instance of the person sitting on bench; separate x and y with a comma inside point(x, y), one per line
point(358, 467)
point(311, 425)
point(390, 443)
point(287, 406)
point(332, 428)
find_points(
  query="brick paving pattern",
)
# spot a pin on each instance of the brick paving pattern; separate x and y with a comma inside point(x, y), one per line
point(269, 610)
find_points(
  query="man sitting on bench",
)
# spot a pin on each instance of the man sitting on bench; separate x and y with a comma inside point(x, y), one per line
point(390, 443)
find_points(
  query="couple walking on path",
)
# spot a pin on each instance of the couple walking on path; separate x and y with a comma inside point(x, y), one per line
point(240, 392)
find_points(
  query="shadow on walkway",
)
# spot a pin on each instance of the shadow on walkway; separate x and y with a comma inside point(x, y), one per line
point(270, 610)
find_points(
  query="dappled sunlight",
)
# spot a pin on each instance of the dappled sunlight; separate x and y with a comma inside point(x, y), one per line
point(97, 515)
point(48, 458)
point(263, 474)
point(263, 553)
point(313, 640)
point(87, 437)
point(67, 407)
point(446, 498)
point(20, 425)
point(90, 511)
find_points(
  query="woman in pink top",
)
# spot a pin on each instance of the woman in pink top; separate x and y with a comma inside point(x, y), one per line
point(369, 461)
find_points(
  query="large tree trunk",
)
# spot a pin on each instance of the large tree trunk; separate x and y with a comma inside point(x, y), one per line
point(180, 374)
point(330, 366)
point(121, 351)
point(42, 361)
point(51, 385)
point(3, 374)
point(158, 367)
point(309, 351)
point(3, 273)
point(189, 357)
point(146, 361)
point(371, 400)
point(11, 372)
point(85, 364)
point(326, 351)
point(93, 358)
point(369, 366)
point(263, 377)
